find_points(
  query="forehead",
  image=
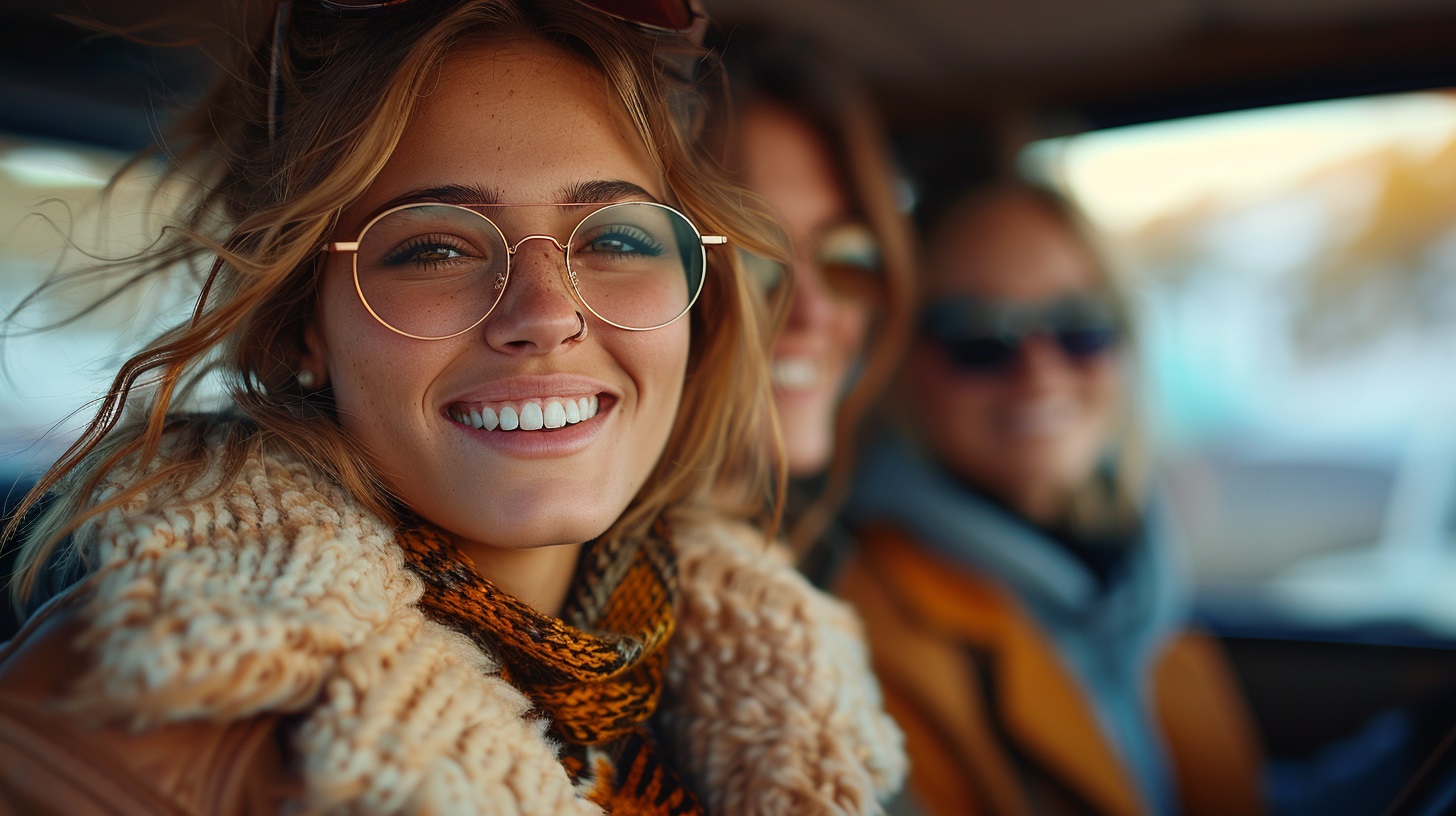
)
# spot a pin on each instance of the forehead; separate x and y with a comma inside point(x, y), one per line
point(791, 165)
point(1009, 246)
point(523, 120)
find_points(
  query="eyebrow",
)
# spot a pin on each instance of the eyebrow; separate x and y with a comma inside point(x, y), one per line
point(599, 191)
point(605, 191)
point(462, 194)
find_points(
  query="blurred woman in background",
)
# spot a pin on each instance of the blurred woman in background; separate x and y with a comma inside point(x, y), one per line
point(808, 141)
point(1025, 616)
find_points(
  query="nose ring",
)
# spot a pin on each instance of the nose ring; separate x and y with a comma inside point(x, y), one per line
point(581, 334)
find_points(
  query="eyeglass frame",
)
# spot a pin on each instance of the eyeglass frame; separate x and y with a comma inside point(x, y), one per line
point(352, 247)
point(771, 274)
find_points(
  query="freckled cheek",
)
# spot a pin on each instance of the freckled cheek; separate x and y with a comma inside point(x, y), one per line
point(658, 366)
point(380, 376)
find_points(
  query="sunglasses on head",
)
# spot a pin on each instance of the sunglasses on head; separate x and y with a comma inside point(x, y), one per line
point(980, 335)
point(847, 256)
point(663, 16)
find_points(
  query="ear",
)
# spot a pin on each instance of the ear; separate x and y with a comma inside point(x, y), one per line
point(315, 359)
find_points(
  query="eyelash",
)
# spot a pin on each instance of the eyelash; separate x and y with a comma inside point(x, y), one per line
point(408, 252)
point(626, 235)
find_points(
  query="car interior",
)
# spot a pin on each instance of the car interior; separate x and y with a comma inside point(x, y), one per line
point(1274, 183)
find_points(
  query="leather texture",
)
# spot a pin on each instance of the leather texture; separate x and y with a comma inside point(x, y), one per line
point(994, 722)
point(57, 764)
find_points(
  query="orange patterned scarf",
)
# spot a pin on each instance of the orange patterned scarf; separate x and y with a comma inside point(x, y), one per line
point(596, 672)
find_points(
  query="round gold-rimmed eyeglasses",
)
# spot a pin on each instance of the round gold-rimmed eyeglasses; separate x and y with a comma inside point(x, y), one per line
point(433, 271)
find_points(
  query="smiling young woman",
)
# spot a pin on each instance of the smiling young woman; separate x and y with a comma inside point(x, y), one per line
point(1008, 538)
point(458, 543)
point(808, 140)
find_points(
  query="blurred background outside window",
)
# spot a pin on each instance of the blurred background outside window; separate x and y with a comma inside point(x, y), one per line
point(1294, 273)
point(52, 218)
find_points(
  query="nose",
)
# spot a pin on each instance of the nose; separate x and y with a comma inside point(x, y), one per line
point(1041, 364)
point(813, 303)
point(538, 310)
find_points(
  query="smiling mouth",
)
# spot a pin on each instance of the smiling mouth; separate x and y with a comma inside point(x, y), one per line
point(794, 373)
point(549, 413)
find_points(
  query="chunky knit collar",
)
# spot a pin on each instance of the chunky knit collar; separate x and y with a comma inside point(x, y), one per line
point(595, 673)
point(277, 594)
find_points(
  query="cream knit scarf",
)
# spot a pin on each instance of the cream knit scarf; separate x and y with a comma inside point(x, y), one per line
point(279, 594)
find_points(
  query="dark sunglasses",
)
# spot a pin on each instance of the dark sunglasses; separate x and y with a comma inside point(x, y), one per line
point(663, 16)
point(981, 335)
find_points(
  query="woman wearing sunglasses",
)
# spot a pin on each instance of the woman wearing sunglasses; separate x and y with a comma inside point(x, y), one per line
point(1019, 594)
point(456, 542)
point(810, 143)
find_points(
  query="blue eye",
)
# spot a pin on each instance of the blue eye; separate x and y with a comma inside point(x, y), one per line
point(623, 239)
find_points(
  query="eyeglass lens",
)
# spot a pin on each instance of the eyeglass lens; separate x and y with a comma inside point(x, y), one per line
point(436, 270)
point(847, 255)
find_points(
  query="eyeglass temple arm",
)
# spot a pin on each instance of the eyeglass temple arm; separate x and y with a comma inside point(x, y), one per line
point(353, 246)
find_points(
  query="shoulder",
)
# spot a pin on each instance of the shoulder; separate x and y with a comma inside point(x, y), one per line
point(269, 594)
point(199, 699)
point(57, 760)
point(733, 579)
point(758, 647)
point(889, 566)
point(262, 573)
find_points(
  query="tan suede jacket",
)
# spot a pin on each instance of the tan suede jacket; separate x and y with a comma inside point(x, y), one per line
point(54, 765)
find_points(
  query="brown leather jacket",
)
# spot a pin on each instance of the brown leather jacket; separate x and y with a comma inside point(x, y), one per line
point(55, 761)
point(995, 724)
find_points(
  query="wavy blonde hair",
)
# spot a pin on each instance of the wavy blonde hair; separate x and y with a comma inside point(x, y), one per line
point(263, 204)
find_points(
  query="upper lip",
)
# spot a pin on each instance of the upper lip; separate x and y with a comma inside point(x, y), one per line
point(797, 349)
point(526, 387)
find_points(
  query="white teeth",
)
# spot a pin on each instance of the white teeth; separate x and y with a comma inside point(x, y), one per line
point(555, 414)
point(531, 418)
point(531, 415)
point(795, 372)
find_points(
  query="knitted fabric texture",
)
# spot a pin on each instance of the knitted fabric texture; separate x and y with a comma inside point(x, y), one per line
point(598, 678)
point(276, 593)
point(768, 684)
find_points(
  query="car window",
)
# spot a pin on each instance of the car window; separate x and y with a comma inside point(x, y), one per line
point(1294, 270)
point(50, 204)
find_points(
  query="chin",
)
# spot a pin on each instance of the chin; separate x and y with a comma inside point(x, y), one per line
point(529, 519)
point(808, 453)
point(534, 536)
point(808, 440)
